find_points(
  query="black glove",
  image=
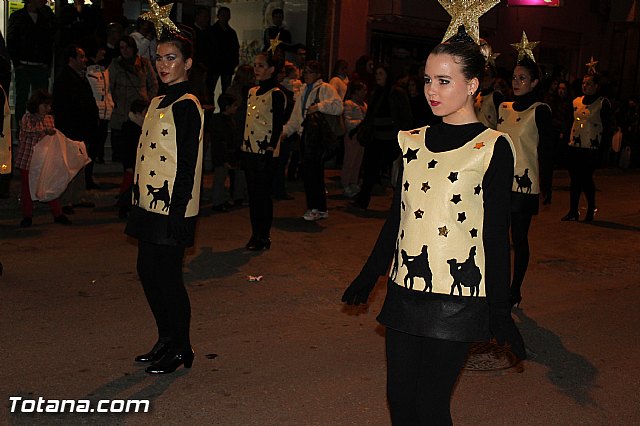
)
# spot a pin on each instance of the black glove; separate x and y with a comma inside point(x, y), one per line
point(178, 229)
point(505, 332)
point(359, 290)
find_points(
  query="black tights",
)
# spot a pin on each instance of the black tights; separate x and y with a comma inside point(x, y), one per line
point(421, 375)
point(520, 223)
point(160, 270)
point(582, 165)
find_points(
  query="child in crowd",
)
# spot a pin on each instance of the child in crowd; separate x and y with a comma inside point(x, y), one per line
point(131, 130)
point(35, 124)
point(225, 140)
point(355, 109)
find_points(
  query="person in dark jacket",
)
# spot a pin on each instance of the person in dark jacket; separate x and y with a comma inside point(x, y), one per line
point(447, 236)
point(76, 113)
point(225, 44)
point(30, 44)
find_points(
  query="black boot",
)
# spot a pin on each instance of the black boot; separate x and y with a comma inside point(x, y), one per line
point(171, 361)
point(158, 351)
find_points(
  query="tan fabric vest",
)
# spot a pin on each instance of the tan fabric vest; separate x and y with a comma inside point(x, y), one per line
point(521, 126)
point(486, 110)
point(156, 162)
point(439, 247)
point(259, 124)
point(587, 124)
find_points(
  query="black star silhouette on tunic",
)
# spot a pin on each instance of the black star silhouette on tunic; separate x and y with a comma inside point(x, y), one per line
point(406, 185)
point(443, 231)
point(473, 232)
point(402, 235)
point(476, 190)
point(462, 217)
point(453, 176)
point(411, 154)
point(165, 132)
point(152, 173)
point(403, 206)
point(153, 145)
point(147, 134)
point(432, 164)
point(425, 186)
point(500, 120)
point(575, 108)
point(140, 145)
point(518, 119)
point(456, 199)
point(418, 214)
point(415, 132)
point(142, 158)
point(163, 158)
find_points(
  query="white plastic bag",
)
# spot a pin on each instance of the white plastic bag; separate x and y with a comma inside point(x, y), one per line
point(55, 161)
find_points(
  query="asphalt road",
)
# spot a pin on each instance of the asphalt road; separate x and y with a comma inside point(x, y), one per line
point(284, 350)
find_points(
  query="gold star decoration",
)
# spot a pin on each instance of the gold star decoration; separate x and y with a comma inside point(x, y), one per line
point(273, 44)
point(592, 66)
point(478, 145)
point(159, 15)
point(491, 60)
point(524, 47)
point(467, 13)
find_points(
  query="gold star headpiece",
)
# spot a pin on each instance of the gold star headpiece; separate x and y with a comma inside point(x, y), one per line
point(159, 15)
point(467, 13)
point(487, 51)
point(592, 66)
point(524, 47)
point(273, 44)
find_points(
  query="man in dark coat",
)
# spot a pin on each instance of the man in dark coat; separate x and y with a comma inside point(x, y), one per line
point(30, 45)
point(227, 51)
point(74, 106)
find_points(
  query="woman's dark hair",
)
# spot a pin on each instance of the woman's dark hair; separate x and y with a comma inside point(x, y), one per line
point(225, 100)
point(182, 43)
point(38, 97)
point(274, 61)
point(354, 86)
point(531, 67)
point(314, 66)
point(340, 64)
point(69, 51)
point(594, 77)
point(467, 54)
point(138, 105)
point(129, 41)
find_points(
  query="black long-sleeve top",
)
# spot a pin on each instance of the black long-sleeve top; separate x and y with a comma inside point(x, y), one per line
point(544, 124)
point(444, 316)
point(152, 227)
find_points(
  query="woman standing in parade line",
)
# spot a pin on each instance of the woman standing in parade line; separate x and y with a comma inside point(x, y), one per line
point(488, 99)
point(449, 223)
point(389, 111)
point(590, 133)
point(166, 195)
point(528, 122)
point(355, 109)
point(131, 77)
point(315, 96)
point(265, 119)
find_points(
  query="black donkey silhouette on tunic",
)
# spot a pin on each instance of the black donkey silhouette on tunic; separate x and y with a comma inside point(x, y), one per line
point(524, 182)
point(417, 266)
point(465, 274)
point(160, 194)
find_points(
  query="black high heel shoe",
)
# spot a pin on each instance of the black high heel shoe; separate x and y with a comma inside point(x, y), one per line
point(257, 244)
point(158, 351)
point(171, 361)
point(515, 301)
point(590, 215)
point(570, 216)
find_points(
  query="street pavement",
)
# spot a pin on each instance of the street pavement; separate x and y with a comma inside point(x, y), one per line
point(284, 350)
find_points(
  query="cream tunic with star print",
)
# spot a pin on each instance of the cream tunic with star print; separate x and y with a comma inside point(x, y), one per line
point(258, 128)
point(587, 125)
point(439, 248)
point(486, 110)
point(156, 162)
point(521, 126)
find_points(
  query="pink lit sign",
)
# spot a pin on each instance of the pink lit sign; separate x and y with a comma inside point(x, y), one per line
point(553, 3)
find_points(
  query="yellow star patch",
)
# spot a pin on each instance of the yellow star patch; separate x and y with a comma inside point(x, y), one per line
point(479, 145)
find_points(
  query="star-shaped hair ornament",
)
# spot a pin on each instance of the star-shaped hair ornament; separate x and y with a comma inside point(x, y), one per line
point(467, 13)
point(159, 15)
point(592, 66)
point(273, 44)
point(524, 47)
point(487, 52)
